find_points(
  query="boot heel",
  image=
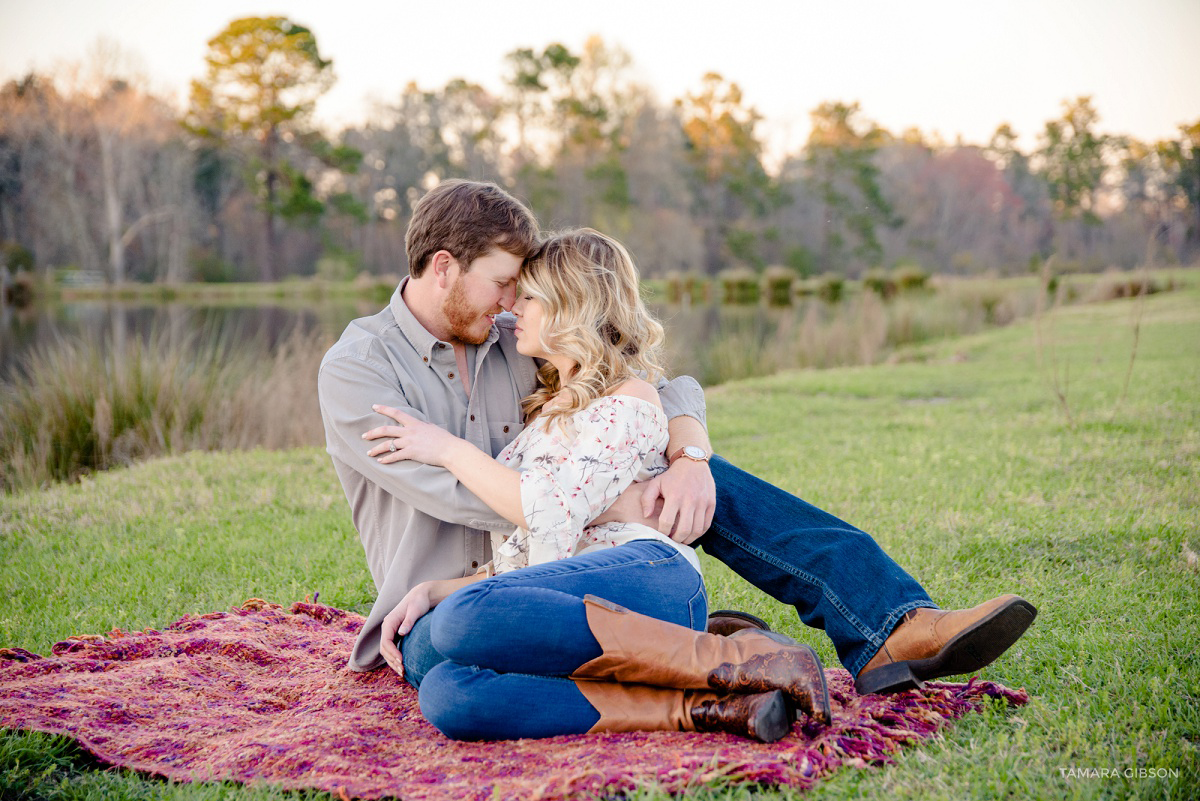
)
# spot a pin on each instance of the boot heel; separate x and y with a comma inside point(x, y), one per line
point(765, 717)
point(891, 678)
point(773, 719)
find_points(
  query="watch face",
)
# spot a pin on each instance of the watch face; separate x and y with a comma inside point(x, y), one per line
point(694, 452)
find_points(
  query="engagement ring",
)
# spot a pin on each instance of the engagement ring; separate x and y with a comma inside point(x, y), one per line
point(392, 445)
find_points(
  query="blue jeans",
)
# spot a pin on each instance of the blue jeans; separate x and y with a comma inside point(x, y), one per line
point(836, 576)
point(511, 641)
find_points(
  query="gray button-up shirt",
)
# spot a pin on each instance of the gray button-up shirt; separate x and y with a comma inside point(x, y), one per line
point(417, 522)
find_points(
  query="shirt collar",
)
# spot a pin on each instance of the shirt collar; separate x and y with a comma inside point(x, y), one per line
point(418, 336)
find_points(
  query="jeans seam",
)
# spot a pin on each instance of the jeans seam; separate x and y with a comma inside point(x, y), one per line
point(557, 676)
point(866, 633)
point(701, 592)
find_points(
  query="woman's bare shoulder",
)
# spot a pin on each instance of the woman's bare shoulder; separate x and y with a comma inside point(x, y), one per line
point(637, 388)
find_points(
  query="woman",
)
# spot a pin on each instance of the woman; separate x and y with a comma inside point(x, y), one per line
point(575, 628)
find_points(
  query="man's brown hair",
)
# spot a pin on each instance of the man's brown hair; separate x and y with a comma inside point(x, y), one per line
point(467, 219)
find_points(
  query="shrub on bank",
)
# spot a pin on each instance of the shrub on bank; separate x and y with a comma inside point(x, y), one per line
point(690, 285)
point(738, 285)
point(777, 282)
point(880, 282)
point(910, 278)
point(829, 287)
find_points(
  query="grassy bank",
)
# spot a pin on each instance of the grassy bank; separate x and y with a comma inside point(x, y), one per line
point(959, 458)
point(863, 328)
point(378, 288)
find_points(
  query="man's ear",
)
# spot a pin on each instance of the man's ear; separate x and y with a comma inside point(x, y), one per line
point(444, 267)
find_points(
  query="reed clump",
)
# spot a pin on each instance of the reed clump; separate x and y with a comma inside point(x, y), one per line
point(910, 278)
point(1116, 285)
point(829, 287)
point(78, 406)
point(777, 282)
point(880, 282)
point(738, 285)
point(686, 286)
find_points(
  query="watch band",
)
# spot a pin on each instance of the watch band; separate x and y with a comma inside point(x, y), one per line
point(684, 453)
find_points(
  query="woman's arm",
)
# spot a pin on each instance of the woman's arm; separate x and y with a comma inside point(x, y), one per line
point(493, 483)
point(419, 600)
point(496, 485)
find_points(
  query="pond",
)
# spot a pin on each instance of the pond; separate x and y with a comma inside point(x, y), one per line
point(712, 342)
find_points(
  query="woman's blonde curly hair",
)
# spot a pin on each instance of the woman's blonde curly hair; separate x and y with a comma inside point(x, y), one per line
point(592, 313)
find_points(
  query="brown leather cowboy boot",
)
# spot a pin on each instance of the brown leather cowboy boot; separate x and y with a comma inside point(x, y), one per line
point(642, 650)
point(765, 717)
point(932, 643)
point(637, 707)
point(728, 621)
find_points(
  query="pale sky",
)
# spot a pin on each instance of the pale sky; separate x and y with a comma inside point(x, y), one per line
point(954, 67)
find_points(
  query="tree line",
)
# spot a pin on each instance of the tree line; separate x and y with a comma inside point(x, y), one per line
point(100, 174)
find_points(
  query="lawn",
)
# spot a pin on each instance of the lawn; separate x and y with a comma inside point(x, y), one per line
point(971, 463)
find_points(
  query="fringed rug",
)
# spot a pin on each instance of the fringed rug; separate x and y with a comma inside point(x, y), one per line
point(262, 695)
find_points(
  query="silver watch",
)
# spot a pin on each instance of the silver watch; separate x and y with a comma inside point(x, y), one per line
point(693, 452)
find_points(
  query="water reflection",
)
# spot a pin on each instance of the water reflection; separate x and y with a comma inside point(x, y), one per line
point(712, 343)
point(24, 330)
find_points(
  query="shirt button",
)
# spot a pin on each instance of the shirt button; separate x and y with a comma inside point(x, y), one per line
point(452, 375)
point(425, 359)
point(472, 418)
point(474, 564)
point(506, 429)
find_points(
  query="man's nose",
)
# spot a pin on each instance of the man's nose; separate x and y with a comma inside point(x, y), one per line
point(509, 299)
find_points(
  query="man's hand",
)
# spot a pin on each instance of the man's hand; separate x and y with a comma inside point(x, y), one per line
point(400, 621)
point(688, 497)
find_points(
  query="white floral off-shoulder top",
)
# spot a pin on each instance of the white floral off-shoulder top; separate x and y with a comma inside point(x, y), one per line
point(572, 473)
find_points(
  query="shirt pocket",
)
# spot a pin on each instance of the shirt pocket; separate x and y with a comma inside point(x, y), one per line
point(500, 434)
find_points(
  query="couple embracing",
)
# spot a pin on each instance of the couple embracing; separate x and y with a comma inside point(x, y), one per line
point(529, 492)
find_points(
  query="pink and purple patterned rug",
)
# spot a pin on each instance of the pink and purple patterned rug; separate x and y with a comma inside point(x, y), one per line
point(262, 695)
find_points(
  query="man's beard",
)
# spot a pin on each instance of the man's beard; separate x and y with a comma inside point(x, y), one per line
point(462, 318)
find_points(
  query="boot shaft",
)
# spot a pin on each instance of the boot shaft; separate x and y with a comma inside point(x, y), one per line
point(765, 717)
point(639, 649)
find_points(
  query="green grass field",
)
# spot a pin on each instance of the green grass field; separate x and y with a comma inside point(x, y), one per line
point(959, 457)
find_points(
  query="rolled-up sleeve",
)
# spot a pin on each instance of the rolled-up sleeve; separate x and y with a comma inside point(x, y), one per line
point(683, 397)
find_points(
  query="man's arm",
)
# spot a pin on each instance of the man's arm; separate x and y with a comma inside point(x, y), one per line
point(682, 396)
point(347, 386)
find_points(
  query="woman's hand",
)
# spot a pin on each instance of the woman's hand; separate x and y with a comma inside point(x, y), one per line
point(400, 621)
point(410, 439)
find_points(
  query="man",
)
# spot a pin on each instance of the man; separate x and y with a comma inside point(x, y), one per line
point(440, 353)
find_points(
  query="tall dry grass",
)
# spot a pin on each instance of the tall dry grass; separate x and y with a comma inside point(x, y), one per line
point(80, 405)
point(862, 329)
